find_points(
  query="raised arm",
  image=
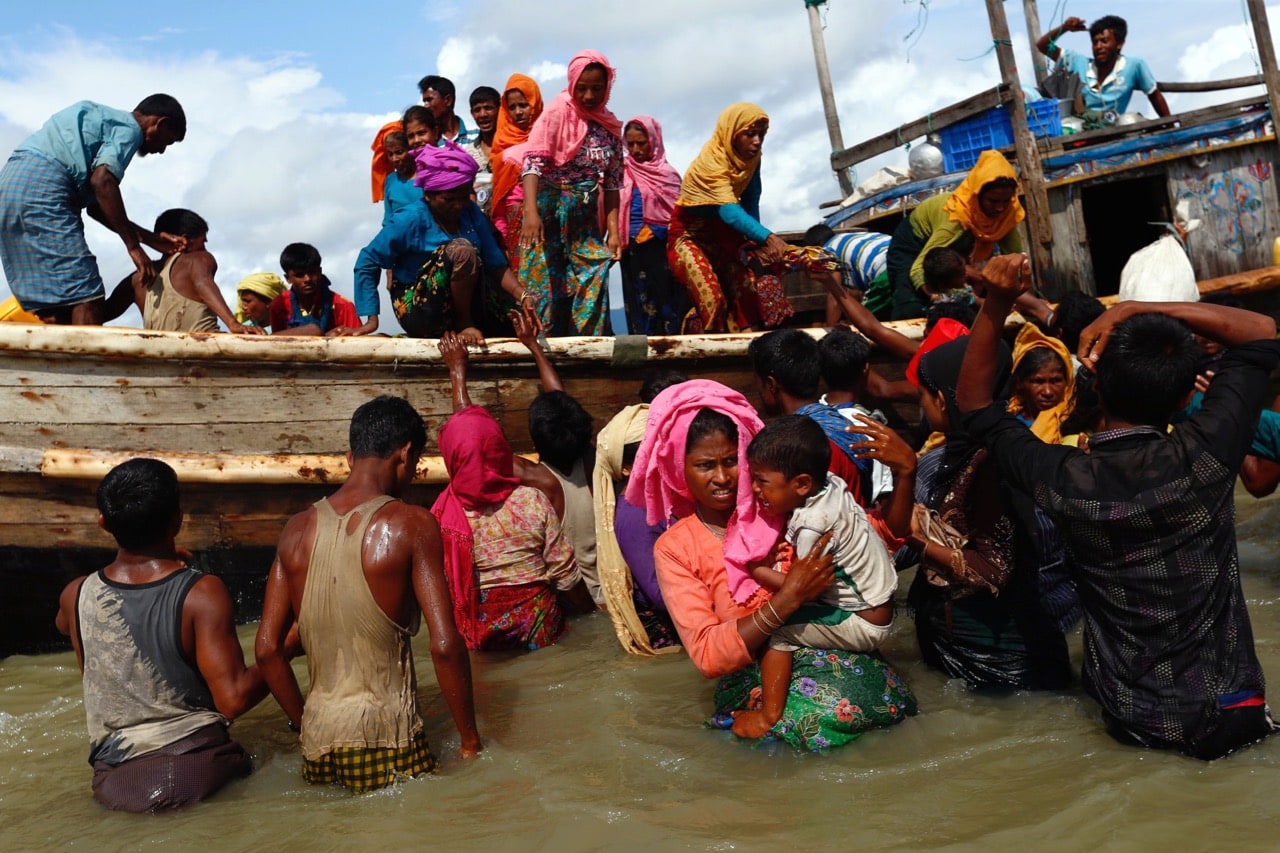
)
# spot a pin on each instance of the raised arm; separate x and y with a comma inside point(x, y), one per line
point(1008, 276)
point(110, 212)
point(453, 352)
point(1046, 44)
point(1230, 327)
point(895, 343)
point(527, 334)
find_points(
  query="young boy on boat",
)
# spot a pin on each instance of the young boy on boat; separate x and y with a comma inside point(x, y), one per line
point(1147, 514)
point(156, 641)
point(309, 306)
point(788, 461)
point(356, 572)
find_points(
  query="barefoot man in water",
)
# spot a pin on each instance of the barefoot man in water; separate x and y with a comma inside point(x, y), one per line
point(156, 641)
point(353, 571)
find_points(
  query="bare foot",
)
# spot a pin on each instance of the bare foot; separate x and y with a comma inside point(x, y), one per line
point(751, 724)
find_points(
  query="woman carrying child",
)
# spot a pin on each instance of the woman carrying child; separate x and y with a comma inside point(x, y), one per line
point(687, 469)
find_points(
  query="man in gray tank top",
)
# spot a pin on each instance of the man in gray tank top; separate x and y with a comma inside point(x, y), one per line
point(354, 572)
point(163, 671)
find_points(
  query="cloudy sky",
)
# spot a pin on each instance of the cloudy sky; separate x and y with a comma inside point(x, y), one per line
point(283, 97)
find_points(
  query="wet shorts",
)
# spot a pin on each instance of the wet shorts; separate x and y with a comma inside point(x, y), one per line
point(363, 769)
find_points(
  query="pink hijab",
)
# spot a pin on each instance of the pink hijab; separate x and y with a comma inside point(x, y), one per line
point(562, 128)
point(658, 483)
point(479, 461)
point(657, 180)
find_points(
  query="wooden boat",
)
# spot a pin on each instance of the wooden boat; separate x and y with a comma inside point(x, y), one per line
point(257, 426)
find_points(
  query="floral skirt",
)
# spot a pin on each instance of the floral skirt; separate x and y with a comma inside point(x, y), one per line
point(835, 696)
point(568, 275)
point(526, 616)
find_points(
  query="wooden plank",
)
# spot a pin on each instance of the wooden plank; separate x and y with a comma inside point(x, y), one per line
point(1211, 85)
point(891, 139)
point(1266, 51)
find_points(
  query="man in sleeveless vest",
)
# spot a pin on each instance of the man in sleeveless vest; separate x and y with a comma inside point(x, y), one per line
point(355, 571)
point(163, 671)
point(182, 297)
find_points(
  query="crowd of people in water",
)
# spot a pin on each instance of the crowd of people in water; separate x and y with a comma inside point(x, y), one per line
point(1049, 488)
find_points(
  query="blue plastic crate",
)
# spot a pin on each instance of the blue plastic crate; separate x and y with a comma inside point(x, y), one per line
point(964, 141)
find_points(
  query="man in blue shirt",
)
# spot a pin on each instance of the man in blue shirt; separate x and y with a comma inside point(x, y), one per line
point(1109, 78)
point(76, 161)
point(436, 250)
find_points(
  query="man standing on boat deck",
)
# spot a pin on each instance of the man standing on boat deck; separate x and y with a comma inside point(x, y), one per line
point(156, 641)
point(77, 160)
point(355, 571)
point(1109, 78)
point(1148, 514)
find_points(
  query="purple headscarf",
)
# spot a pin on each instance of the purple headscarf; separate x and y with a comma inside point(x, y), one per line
point(444, 167)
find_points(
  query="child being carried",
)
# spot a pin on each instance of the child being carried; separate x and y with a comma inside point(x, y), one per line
point(788, 462)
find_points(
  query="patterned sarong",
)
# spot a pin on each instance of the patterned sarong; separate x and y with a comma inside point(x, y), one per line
point(835, 696)
point(364, 769)
point(569, 278)
point(525, 616)
point(42, 247)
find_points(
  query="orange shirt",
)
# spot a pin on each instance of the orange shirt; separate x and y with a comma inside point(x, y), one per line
point(690, 563)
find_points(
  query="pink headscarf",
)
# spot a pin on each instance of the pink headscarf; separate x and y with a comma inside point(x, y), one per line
point(562, 128)
point(657, 180)
point(444, 167)
point(658, 482)
point(479, 461)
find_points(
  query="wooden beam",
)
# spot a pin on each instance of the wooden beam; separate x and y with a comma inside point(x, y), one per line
point(1213, 85)
point(1266, 52)
point(828, 96)
point(1039, 62)
point(1029, 168)
point(891, 139)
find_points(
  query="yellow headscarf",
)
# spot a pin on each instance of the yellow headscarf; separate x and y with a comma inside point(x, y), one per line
point(268, 285)
point(963, 207)
point(615, 578)
point(1048, 424)
point(718, 175)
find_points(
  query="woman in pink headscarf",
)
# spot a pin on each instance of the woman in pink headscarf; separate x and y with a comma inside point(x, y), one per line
point(691, 466)
point(574, 153)
point(654, 300)
point(506, 556)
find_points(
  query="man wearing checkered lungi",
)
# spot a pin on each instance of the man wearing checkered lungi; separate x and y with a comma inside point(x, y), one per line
point(76, 162)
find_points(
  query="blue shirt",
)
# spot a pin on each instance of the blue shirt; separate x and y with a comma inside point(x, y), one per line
point(408, 240)
point(743, 217)
point(636, 223)
point(85, 136)
point(1266, 435)
point(397, 194)
point(1129, 73)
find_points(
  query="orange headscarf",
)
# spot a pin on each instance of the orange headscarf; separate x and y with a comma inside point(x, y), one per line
point(963, 207)
point(381, 162)
point(718, 175)
point(507, 175)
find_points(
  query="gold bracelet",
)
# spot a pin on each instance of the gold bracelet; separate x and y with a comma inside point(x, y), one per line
point(772, 610)
point(765, 620)
point(755, 620)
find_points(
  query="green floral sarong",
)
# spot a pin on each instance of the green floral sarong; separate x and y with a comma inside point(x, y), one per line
point(835, 696)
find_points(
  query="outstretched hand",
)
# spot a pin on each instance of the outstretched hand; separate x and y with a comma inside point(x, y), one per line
point(884, 445)
point(1005, 277)
point(527, 325)
point(453, 350)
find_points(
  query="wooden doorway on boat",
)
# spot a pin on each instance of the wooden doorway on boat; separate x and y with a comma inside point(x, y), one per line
point(1118, 217)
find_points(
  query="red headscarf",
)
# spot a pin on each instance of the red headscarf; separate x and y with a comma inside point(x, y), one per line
point(479, 461)
point(944, 331)
point(657, 180)
point(381, 162)
point(506, 175)
point(562, 129)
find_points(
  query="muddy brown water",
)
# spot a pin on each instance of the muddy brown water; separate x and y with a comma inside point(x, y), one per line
point(590, 749)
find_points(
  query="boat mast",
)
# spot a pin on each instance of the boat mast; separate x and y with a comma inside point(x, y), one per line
point(824, 86)
point(1266, 53)
point(1029, 169)
point(1032, 15)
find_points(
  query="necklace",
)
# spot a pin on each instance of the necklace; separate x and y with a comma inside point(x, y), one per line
point(717, 532)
